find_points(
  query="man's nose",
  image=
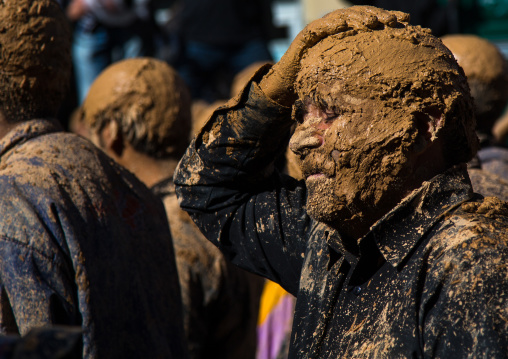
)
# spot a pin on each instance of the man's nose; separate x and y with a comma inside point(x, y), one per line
point(305, 138)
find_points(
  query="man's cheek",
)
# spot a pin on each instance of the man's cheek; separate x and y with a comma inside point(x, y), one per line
point(342, 159)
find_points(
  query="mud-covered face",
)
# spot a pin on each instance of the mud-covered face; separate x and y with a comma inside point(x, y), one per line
point(354, 153)
point(361, 97)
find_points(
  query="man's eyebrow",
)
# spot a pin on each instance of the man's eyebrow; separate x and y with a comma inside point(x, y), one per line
point(298, 104)
point(321, 103)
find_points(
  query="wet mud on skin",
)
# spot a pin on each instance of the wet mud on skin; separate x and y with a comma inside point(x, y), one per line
point(372, 87)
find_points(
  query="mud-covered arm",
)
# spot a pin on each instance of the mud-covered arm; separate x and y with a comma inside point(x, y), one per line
point(227, 183)
point(464, 308)
point(35, 290)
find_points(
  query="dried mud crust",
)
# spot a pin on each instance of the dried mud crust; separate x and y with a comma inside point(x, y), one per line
point(491, 207)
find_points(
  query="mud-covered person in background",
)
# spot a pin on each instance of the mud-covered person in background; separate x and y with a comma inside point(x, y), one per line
point(385, 245)
point(138, 112)
point(82, 241)
point(487, 75)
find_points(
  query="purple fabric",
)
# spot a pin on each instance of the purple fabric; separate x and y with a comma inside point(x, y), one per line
point(274, 334)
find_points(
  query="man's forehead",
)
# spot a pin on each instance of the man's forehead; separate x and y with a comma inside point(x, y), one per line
point(365, 61)
point(325, 96)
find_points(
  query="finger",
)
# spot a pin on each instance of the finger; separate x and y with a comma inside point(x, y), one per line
point(358, 17)
point(372, 17)
point(387, 17)
point(401, 16)
point(384, 16)
point(321, 28)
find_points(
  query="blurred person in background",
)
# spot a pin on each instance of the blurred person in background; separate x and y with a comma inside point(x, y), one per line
point(138, 112)
point(217, 39)
point(82, 241)
point(439, 15)
point(487, 75)
point(106, 31)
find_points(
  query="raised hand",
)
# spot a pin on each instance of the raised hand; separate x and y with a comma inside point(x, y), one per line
point(278, 83)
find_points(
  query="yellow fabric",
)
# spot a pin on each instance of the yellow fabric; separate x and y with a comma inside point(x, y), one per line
point(272, 294)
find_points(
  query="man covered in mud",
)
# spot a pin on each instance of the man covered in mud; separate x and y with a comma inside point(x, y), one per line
point(82, 242)
point(385, 245)
point(138, 112)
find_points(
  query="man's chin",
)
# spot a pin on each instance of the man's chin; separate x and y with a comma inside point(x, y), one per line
point(324, 211)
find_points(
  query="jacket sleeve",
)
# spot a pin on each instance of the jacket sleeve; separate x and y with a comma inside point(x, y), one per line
point(464, 311)
point(227, 183)
point(35, 290)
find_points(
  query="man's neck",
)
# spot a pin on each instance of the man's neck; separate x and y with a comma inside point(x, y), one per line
point(148, 169)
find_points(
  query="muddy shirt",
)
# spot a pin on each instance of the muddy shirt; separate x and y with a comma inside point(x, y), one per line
point(429, 279)
point(83, 242)
point(220, 300)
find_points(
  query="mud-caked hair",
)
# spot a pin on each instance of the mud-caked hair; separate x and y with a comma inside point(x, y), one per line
point(149, 102)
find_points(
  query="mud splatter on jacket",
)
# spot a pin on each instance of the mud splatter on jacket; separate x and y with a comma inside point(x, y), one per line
point(83, 242)
point(220, 300)
point(429, 280)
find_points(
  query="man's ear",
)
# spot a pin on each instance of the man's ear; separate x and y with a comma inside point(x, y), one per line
point(428, 124)
point(111, 139)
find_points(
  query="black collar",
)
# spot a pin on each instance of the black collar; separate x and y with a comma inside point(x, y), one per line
point(398, 232)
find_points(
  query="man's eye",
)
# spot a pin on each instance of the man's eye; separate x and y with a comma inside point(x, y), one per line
point(330, 116)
